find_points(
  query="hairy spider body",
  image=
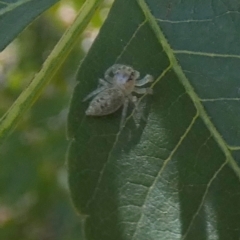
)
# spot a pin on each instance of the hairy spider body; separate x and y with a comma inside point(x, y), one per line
point(106, 102)
point(116, 89)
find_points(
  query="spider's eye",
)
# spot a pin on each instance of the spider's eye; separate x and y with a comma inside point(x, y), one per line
point(131, 76)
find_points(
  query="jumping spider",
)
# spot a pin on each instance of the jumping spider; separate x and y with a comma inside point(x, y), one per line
point(115, 90)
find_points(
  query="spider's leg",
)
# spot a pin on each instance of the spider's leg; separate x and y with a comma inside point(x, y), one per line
point(134, 100)
point(103, 82)
point(145, 80)
point(124, 113)
point(138, 111)
point(93, 93)
point(143, 90)
point(109, 79)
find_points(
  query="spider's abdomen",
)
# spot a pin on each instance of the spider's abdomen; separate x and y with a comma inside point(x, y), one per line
point(106, 102)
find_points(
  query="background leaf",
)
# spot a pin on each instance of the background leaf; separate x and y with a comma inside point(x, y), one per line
point(177, 175)
point(16, 15)
point(34, 197)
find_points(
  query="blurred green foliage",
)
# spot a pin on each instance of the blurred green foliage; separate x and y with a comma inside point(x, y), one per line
point(34, 199)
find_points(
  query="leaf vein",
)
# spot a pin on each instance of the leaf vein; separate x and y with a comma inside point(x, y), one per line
point(206, 54)
point(130, 40)
point(12, 6)
point(203, 198)
point(163, 167)
point(185, 82)
point(219, 99)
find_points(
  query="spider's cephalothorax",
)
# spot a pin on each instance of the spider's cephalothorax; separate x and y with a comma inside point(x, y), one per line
point(116, 90)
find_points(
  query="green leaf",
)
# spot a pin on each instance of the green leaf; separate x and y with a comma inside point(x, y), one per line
point(176, 176)
point(16, 15)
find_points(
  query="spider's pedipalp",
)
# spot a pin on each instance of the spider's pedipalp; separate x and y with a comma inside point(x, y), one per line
point(136, 75)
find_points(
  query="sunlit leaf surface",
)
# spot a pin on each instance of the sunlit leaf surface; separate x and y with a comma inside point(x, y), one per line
point(176, 176)
point(16, 15)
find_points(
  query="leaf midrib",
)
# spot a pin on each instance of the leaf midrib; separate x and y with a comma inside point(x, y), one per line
point(188, 87)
